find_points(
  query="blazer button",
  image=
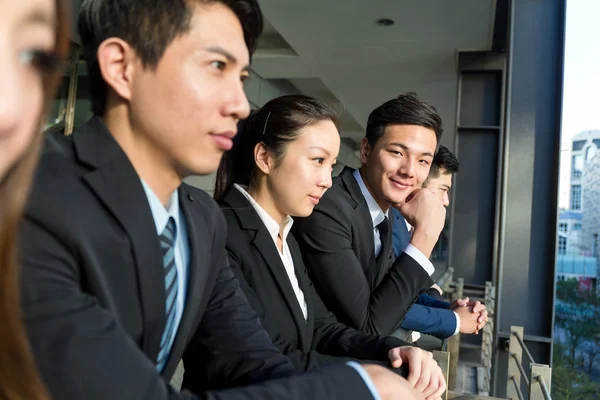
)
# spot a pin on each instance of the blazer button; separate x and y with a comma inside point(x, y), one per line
point(190, 198)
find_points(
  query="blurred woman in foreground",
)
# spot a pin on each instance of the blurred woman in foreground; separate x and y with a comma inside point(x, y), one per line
point(33, 42)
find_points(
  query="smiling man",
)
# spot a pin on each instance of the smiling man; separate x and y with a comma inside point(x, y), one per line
point(347, 240)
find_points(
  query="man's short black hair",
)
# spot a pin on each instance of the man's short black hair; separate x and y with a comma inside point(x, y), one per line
point(406, 109)
point(444, 159)
point(148, 26)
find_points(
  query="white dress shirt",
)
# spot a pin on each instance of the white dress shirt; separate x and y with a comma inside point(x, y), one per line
point(377, 216)
point(286, 257)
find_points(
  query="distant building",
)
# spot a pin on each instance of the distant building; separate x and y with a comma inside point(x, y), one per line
point(569, 234)
point(584, 148)
point(579, 227)
point(591, 203)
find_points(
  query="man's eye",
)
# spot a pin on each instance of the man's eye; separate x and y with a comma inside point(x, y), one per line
point(220, 65)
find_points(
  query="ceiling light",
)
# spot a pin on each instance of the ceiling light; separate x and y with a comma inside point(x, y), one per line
point(385, 22)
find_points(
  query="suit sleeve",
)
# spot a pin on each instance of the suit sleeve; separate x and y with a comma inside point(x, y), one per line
point(434, 321)
point(333, 337)
point(426, 300)
point(303, 361)
point(326, 242)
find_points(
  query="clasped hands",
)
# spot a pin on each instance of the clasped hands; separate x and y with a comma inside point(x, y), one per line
point(473, 315)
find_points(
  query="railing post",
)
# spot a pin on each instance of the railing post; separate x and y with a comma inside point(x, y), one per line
point(536, 391)
point(454, 341)
point(515, 355)
point(443, 360)
point(487, 339)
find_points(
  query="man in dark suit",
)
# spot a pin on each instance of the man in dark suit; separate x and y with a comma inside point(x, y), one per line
point(123, 266)
point(347, 240)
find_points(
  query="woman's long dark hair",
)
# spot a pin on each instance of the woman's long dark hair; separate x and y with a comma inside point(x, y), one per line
point(19, 378)
point(276, 124)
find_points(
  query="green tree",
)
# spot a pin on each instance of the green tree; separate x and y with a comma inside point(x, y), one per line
point(569, 383)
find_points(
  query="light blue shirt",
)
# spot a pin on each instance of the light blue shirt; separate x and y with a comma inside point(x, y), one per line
point(365, 376)
point(161, 216)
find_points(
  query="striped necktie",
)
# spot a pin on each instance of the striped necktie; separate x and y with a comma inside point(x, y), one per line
point(167, 244)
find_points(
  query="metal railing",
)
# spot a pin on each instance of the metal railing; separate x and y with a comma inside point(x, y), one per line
point(539, 378)
point(486, 295)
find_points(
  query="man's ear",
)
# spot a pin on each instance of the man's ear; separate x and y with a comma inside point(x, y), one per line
point(365, 150)
point(117, 63)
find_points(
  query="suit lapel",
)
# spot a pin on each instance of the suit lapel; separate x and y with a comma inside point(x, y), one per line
point(119, 188)
point(367, 238)
point(304, 283)
point(263, 242)
point(197, 274)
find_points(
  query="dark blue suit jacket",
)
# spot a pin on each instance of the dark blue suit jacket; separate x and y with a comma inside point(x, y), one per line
point(427, 315)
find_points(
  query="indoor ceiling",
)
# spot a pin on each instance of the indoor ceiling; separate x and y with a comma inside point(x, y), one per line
point(335, 50)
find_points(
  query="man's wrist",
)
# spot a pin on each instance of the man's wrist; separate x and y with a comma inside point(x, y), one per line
point(424, 241)
point(457, 330)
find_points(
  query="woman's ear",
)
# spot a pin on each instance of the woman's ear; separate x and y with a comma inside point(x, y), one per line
point(263, 158)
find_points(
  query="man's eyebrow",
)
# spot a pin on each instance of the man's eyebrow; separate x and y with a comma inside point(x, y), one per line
point(227, 54)
point(405, 147)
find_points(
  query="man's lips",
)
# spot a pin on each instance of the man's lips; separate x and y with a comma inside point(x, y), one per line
point(314, 199)
point(224, 139)
point(400, 185)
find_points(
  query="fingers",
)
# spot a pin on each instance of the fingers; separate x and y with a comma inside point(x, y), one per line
point(427, 369)
point(483, 317)
point(414, 357)
point(437, 395)
point(478, 307)
point(395, 358)
point(460, 303)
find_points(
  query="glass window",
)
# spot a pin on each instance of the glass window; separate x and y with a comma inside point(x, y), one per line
point(562, 245)
point(575, 197)
point(590, 152)
point(578, 145)
point(563, 227)
point(577, 165)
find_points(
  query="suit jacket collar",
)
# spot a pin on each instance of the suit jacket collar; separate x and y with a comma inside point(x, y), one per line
point(366, 238)
point(352, 187)
point(263, 242)
point(112, 178)
point(377, 214)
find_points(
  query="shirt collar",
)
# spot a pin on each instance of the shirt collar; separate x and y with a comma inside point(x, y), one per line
point(270, 223)
point(160, 213)
point(377, 214)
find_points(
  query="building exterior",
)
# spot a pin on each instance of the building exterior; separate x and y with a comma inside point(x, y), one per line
point(579, 226)
point(585, 146)
point(569, 234)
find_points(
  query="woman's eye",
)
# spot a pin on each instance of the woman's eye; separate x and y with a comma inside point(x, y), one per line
point(43, 61)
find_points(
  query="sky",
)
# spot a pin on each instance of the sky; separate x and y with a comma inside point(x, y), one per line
point(581, 91)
